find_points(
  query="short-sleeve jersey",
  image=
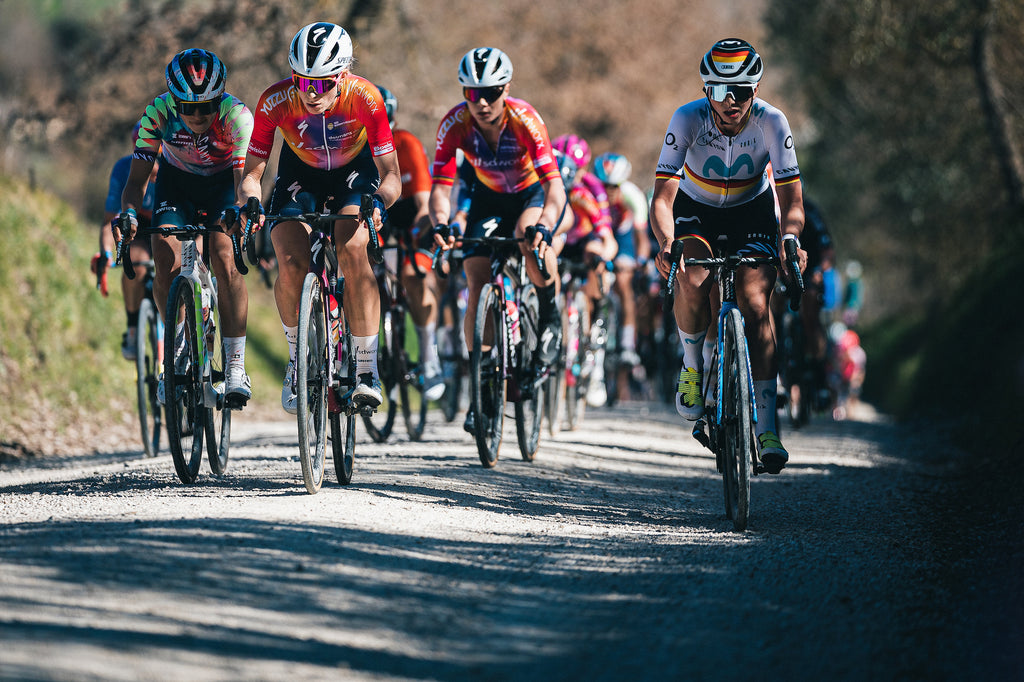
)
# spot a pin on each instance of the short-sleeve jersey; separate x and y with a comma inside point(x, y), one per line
point(629, 211)
point(221, 147)
point(523, 156)
point(330, 140)
point(718, 170)
point(413, 162)
point(118, 179)
point(589, 202)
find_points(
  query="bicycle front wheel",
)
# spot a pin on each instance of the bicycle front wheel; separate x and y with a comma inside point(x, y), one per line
point(737, 418)
point(453, 364)
point(410, 384)
point(146, 369)
point(183, 382)
point(343, 424)
point(529, 407)
point(487, 374)
point(577, 366)
point(311, 385)
point(554, 392)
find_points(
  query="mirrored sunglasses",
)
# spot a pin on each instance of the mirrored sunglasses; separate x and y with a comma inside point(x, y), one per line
point(719, 91)
point(317, 85)
point(490, 94)
point(198, 108)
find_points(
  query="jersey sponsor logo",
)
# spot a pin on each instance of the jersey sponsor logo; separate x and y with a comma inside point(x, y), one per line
point(351, 179)
point(383, 149)
point(788, 144)
point(490, 226)
point(447, 124)
point(273, 101)
point(295, 188)
point(531, 124)
point(302, 127)
point(717, 165)
point(787, 171)
point(688, 219)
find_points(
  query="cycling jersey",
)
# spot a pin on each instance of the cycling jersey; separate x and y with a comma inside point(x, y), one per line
point(718, 170)
point(412, 160)
point(523, 156)
point(221, 147)
point(118, 179)
point(629, 210)
point(329, 140)
point(589, 203)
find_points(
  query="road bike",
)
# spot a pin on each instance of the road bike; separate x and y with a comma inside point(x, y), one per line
point(401, 379)
point(728, 425)
point(325, 363)
point(451, 344)
point(502, 365)
point(193, 357)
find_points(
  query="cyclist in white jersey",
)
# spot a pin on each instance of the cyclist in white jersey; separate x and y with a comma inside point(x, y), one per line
point(712, 182)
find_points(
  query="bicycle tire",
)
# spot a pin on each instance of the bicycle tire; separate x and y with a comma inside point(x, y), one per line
point(737, 403)
point(343, 424)
point(453, 362)
point(186, 421)
point(146, 369)
point(218, 419)
point(311, 384)
point(554, 393)
point(530, 406)
point(487, 375)
point(576, 382)
point(410, 384)
point(381, 423)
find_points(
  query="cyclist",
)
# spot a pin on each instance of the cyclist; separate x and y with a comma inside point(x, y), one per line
point(200, 133)
point(408, 222)
point(585, 237)
point(627, 205)
point(517, 184)
point(132, 290)
point(711, 183)
point(337, 147)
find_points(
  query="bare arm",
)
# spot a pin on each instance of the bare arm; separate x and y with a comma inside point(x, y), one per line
point(390, 177)
point(662, 222)
point(791, 209)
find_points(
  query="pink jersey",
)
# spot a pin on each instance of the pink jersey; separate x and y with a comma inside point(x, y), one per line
point(589, 202)
point(329, 140)
point(523, 156)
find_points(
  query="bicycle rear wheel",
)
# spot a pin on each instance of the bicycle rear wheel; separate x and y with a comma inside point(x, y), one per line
point(529, 407)
point(343, 425)
point(186, 418)
point(554, 390)
point(311, 371)
point(410, 384)
point(737, 417)
point(146, 369)
point(380, 424)
point(487, 374)
point(577, 376)
point(218, 419)
point(453, 363)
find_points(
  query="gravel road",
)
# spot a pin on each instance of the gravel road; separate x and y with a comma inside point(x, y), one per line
point(608, 558)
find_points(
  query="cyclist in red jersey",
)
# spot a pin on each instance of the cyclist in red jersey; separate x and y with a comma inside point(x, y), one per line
point(408, 222)
point(517, 183)
point(337, 147)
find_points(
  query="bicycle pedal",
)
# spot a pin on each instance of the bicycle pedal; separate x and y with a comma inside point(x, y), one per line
point(700, 433)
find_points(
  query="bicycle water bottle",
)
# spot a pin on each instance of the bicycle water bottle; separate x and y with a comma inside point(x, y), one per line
point(513, 311)
point(335, 318)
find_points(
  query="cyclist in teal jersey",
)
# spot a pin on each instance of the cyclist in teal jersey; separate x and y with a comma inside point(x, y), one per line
point(712, 183)
point(200, 133)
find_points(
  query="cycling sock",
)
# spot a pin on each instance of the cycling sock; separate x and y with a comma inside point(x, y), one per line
point(428, 344)
point(764, 394)
point(234, 351)
point(133, 318)
point(366, 355)
point(291, 335)
point(693, 349)
point(547, 308)
point(628, 337)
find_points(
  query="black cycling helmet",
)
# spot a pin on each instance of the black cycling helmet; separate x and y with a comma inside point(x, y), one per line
point(390, 103)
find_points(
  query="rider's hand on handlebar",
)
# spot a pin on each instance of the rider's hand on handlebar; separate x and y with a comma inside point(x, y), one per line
point(663, 260)
point(444, 237)
point(125, 217)
point(243, 216)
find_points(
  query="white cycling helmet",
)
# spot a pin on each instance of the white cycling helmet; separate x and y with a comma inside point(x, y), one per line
point(485, 67)
point(612, 169)
point(320, 50)
point(732, 62)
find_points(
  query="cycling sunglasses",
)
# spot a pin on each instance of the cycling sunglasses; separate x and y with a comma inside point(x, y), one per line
point(198, 108)
point(719, 91)
point(490, 94)
point(318, 85)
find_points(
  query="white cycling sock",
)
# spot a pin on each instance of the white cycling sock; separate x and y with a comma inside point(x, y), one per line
point(628, 337)
point(291, 335)
point(428, 344)
point(366, 355)
point(234, 352)
point(764, 394)
point(693, 349)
